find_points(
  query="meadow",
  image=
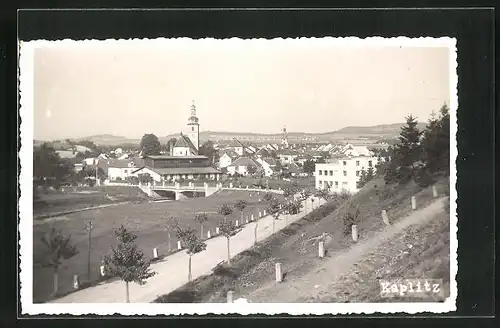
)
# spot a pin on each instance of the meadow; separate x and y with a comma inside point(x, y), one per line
point(146, 220)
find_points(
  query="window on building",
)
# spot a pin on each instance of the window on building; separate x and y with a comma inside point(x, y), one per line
point(357, 173)
point(326, 172)
point(357, 163)
point(331, 172)
point(344, 183)
point(320, 182)
point(192, 128)
point(320, 172)
point(336, 183)
point(125, 171)
point(344, 163)
point(370, 163)
point(345, 173)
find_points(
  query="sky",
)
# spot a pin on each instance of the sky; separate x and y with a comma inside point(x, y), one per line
point(129, 89)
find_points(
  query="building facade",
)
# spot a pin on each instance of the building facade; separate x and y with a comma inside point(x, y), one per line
point(174, 168)
point(342, 174)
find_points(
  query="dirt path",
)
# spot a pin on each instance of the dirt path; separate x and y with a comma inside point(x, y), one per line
point(319, 279)
point(172, 272)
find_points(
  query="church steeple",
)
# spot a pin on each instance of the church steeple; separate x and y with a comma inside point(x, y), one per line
point(193, 128)
point(193, 119)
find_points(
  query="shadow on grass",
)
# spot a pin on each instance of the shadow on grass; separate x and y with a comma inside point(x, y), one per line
point(179, 296)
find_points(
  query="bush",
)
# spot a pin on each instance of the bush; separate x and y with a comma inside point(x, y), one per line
point(405, 174)
point(424, 178)
point(352, 216)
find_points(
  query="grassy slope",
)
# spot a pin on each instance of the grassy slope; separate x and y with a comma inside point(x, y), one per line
point(70, 200)
point(294, 248)
point(145, 220)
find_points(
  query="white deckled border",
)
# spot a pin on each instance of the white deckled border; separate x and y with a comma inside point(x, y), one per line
point(27, 50)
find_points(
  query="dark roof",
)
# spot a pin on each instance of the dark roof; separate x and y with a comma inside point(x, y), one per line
point(236, 143)
point(269, 160)
point(124, 163)
point(231, 153)
point(245, 161)
point(183, 170)
point(175, 157)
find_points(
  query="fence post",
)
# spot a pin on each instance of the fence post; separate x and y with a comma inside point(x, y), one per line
point(413, 203)
point(217, 230)
point(321, 250)
point(434, 192)
point(230, 296)
point(76, 282)
point(102, 270)
point(179, 246)
point(155, 253)
point(237, 223)
point(251, 218)
point(354, 232)
point(279, 275)
point(208, 234)
point(385, 218)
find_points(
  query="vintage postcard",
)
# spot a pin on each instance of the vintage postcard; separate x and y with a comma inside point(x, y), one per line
point(251, 176)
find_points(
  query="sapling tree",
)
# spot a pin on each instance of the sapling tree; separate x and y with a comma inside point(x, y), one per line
point(351, 216)
point(171, 225)
point(201, 218)
point(225, 210)
point(240, 206)
point(275, 208)
point(193, 244)
point(127, 261)
point(304, 195)
point(228, 229)
point(57, 249)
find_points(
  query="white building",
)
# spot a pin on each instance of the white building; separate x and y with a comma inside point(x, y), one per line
point(227, 158)
point(243, 166)
point(342, 174)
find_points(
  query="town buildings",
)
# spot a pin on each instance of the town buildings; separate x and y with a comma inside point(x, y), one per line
point(342, 174)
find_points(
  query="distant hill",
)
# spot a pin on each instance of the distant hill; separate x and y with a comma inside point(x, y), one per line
point(349, 133)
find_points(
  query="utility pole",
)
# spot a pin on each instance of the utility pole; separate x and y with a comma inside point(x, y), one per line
point(88, 227)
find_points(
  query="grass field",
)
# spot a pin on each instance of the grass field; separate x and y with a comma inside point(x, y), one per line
point(73, 198)
point(295, 247)
point(146, 220)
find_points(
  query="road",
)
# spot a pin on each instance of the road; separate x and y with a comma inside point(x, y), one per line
point(172, 272)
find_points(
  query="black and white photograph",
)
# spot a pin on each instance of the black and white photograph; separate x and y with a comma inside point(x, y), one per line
point(247, 176)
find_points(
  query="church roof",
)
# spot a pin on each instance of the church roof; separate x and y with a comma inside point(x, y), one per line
point(184, 141)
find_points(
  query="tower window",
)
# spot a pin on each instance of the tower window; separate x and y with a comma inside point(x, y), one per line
point(192, 128)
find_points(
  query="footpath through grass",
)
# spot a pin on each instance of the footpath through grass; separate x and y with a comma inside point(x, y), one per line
point(296, 246)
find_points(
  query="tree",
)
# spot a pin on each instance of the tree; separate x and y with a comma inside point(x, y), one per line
point(227, 228)
point(351, 216)
point(268, 197)
point(275, 208)
point(252, 169)
point(57, 248)
point(193, 244)
point(240, 206)
point(201, 218)
point(436, 142)
point(408, 151)
point(127, 261)
point(362, 179)
point(171, 143)
point(171, 225)
point(309, 166)
point(207, 149)
point(150, 145)
point(145, 178)
point(48, 168)
point(323, 193)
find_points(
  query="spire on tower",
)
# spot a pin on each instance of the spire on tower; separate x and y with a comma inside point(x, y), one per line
point(193, 109)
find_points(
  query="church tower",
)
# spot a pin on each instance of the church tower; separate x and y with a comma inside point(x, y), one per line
point(193, 128)
point(284, 139)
